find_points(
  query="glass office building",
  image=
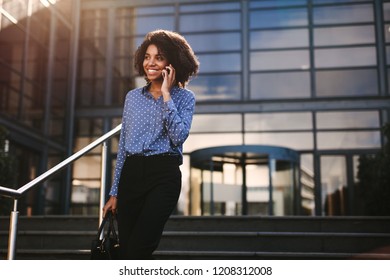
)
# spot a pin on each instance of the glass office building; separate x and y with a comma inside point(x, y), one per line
point(311, 76)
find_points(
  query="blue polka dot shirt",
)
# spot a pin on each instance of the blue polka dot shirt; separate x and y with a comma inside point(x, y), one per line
point(152, 127)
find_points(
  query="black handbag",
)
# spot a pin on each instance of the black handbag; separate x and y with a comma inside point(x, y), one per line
point(106, 246)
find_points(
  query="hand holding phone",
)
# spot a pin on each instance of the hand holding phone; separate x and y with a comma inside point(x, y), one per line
point(166, 72)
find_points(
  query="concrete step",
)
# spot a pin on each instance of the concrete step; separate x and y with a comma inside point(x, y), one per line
point(52, 223)
point(205, 255)
point(274, 241)
point(216, 241)
point(280, 224)
point(69, 237)
point(219, 223)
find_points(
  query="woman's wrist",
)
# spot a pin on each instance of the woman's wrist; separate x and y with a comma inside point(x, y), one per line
point(166, 96)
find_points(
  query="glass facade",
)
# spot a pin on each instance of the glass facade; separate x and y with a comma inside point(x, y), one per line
point(35, 58)
point(308, 75)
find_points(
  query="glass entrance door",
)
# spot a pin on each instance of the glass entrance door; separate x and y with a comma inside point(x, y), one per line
point(245, 180)
point(339, 183)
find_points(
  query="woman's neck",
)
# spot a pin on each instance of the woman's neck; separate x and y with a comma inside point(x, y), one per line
point(155, 86)
point(155, 89)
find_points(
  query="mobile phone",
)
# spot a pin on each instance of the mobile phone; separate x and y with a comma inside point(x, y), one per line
point(168, 71)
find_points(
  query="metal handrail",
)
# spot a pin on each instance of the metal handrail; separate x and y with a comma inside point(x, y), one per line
point(16, 194)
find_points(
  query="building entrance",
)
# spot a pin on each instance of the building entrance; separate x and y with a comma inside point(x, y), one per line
point(245, 180)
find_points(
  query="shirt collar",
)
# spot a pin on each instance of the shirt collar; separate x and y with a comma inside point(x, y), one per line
point(146, 87)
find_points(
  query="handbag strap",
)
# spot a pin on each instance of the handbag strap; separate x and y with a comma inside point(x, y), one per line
point(110, 218)
point(101, 227)
point(112, 226)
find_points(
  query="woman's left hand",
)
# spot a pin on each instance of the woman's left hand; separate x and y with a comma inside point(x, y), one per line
point(168, 81)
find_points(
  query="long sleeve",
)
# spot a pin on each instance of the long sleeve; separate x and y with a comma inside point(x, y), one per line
point(178, 123)
point(120, 159)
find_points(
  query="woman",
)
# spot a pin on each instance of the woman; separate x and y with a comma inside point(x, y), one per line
point(155, 123)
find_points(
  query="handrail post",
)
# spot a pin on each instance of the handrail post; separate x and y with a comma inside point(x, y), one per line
point(19, 192)
point(103, 181)
point(13, 230)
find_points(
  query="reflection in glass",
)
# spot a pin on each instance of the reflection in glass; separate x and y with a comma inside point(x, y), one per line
point(39, 30)
point(278, 18)
point(277, 121)
point(349, 140)
point(278, 60)
point(124, 27)
point(199, 141)
point(87, 127)
point(307, 184)
point(237, 181)
point(92, 48)
point(279, 38)
point(85, 197)
point(87, 167)
point(343, 14)
point(216, 123)
point(90, 69)
point(9, 100)
point(339, 57)
point(345, 35)
point(15, 10)
point(224, 62)
point(355, 162)
point(93, 92)
point(156, 10)
point(60, 81)
point(388, 78)
point(123, 68)
point(273, 3)
point(293, 140)
point(207, 7)
point(257, 182)
point(11, 49)
point(280, 85)
point(334, 185)
point(350, 119)
point(386, 11)
point(388, 55)
point(210, 22)
point(218, 196)
point(144, 25)
point(357, 82)
point(220, 41)
point(387, 33)
point(196, 197)
point(216, 87)
point(94, 24)
point(120, 86)
point(283, 188)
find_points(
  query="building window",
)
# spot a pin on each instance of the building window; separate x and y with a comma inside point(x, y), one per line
point(348, 130)
point(278, 18)
point(352, 82)
point(279, 50)
point(345, 55)
point(214, 32)
point(268, 85)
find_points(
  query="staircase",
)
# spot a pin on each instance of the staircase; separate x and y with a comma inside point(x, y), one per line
point(243, 237)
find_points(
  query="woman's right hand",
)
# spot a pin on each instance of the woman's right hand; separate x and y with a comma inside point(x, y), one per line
point(110, 205)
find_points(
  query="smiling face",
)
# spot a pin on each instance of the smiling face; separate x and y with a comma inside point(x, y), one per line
point(154, 63)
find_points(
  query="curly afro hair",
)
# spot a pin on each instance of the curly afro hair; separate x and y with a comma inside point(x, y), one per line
point(177, 51)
